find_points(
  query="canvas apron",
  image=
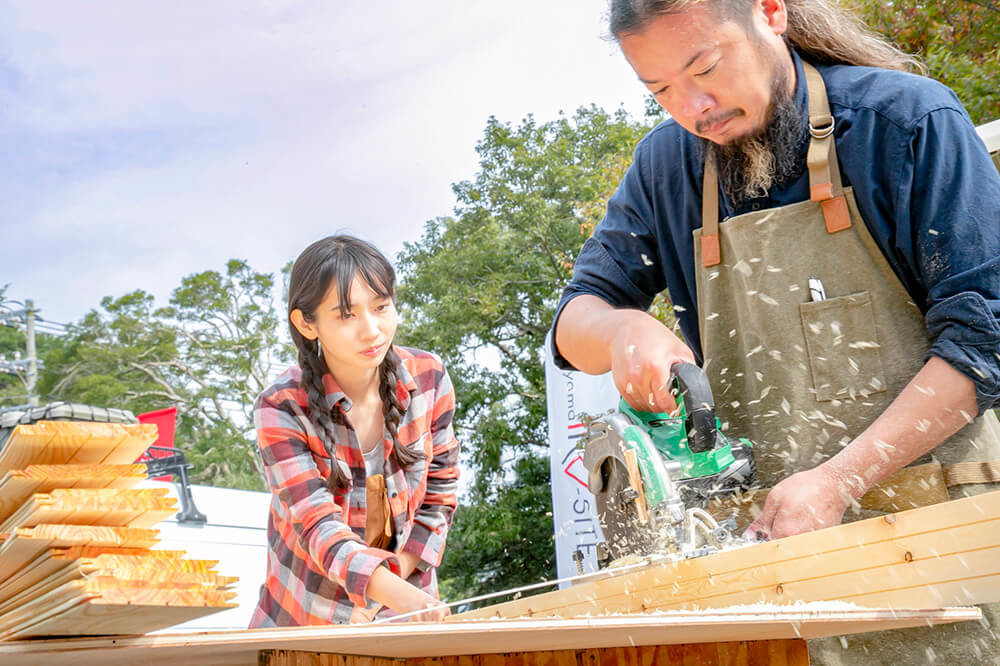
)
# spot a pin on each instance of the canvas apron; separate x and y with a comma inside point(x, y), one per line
point(801, 377)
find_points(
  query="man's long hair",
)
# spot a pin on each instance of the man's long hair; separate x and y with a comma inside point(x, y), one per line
point(822, 31)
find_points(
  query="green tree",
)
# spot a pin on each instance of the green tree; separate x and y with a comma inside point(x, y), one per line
point(209, 352)
point(504, 543)
point(959, 41)
point(480, 288)
point(228, 342)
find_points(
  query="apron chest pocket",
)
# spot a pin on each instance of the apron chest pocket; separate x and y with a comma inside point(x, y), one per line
point(843, 348)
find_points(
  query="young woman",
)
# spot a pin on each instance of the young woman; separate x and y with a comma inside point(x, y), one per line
point(359, 451)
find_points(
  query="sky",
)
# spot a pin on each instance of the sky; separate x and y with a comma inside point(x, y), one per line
point(146, 141)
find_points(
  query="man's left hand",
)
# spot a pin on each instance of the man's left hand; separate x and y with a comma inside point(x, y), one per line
point(803, 502)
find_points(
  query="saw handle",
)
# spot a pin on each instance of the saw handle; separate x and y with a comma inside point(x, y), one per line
point(691, 388)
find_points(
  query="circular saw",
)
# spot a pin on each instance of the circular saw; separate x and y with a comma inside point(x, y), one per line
point(653, 474)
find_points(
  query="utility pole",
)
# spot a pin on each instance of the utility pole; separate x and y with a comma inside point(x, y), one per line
point(29, 332)
point(28, 316)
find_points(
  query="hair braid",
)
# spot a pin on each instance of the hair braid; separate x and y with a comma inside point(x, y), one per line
point(393, 410)
point(323, 419)
point(334, 263)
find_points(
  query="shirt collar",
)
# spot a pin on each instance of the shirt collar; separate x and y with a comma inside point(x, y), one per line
point(405, 387)
point(801, 92)
point(334, 394)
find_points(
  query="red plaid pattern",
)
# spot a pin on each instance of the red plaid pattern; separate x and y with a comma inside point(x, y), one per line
point(318, 564)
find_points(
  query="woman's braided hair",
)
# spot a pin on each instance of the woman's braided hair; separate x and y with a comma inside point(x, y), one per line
point(337, 260)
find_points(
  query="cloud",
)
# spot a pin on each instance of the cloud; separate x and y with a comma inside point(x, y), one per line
point(148, 141)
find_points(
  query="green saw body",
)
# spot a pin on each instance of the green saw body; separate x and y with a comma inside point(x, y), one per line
point(682, 462)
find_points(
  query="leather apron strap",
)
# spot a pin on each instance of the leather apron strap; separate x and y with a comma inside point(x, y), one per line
point(825, 185)
point(378, 519)
point(711, 253)
point(824, 169)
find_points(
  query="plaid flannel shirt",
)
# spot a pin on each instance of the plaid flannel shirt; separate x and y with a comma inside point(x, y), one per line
point(318, 564)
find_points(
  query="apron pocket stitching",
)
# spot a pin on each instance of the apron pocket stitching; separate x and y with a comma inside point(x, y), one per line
point(842, 344)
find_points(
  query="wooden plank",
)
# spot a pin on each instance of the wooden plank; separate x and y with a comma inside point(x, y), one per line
point(62, 442)
point(95, 618)
point(155, 562)
point(112, 591)
point(122, 563)
point(84, 535)
point(94, 506)
point(47, 614)
point(867, 560)
point(31, 542)
point(48, 564)
point(58, 579)
point(874, 571)
point(160, 570)
point(19, 485)
point(50, 604)
point(82, 476)
point(410, 640)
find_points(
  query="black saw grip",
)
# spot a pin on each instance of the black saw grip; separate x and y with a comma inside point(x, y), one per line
point(690, 385)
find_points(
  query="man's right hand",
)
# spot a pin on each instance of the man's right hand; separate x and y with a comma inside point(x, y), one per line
point(642, 354)
point(637, 349)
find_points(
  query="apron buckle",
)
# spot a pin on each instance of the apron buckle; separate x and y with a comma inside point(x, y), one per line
point(821, 127)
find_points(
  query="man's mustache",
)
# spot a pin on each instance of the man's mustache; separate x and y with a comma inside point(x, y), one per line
point(704, 123)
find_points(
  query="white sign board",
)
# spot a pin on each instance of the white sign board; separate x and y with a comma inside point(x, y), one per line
point(571, 394)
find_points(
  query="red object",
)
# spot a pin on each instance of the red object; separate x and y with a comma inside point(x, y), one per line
point(165, 421)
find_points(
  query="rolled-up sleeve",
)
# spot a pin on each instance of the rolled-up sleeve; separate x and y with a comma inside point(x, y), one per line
point(620, 263)
point(317, 520)
point(433, 517)
point(953, 200)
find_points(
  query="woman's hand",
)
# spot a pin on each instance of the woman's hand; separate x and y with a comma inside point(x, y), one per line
point(363, 615)
point(390, 590)
point(433, 610)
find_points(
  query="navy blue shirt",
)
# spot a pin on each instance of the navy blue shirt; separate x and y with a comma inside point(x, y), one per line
point(924, 184)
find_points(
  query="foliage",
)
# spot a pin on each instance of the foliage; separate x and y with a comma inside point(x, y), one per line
point(480, 288)
point(505, 540)
point(958, 41)
point(210, 352)
point(228, 343)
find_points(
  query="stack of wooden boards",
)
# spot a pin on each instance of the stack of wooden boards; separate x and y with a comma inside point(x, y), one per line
point(946, 554)
point(76, 537)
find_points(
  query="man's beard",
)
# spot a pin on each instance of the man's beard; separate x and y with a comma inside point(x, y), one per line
point(750, 165)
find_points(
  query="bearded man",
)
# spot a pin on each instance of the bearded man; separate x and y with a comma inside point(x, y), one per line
point(828, 226)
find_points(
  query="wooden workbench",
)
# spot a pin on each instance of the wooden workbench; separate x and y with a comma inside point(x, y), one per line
point(726, 636)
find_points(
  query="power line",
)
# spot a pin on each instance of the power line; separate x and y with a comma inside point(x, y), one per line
point(52, 330)
point(15, 318)
point(49, 322)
